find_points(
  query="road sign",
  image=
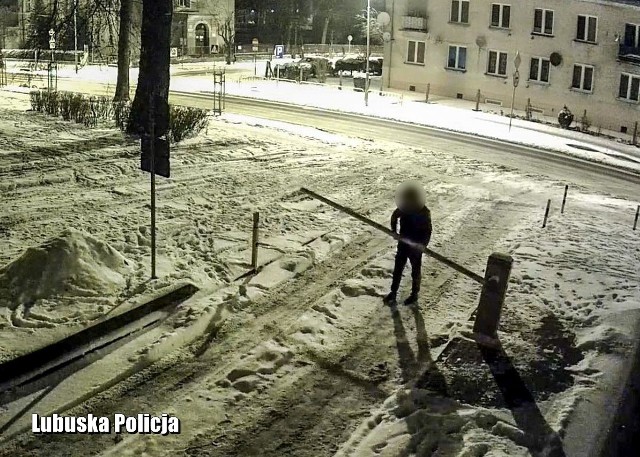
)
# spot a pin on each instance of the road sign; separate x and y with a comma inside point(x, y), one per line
point(279, 51)
point(161, 156)
point(255, 41)
point(350, 38)
point(516, 78)
point(174, 52)
point(52, 32)
point(52, 43)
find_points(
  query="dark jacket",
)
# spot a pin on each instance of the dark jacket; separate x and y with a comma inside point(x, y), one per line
point(416, 225)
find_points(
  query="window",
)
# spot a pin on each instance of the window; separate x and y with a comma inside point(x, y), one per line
point(415, 51)
point(629, 87)
point(500, 15)
point(587, 28)
point(543, 21)
point(460, 11)
point(497, 63)
point(582, 77)
point(632, 35)
point(457, 58)
point(184, 3)
point(539, 69)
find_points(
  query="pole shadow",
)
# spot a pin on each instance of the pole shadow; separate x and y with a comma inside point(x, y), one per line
point(541, 439)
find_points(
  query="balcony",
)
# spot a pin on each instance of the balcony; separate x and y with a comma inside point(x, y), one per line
point(414, 22)
point(629, 54)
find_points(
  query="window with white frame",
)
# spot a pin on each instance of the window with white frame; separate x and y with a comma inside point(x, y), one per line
point(632, 35)
point(587, 28)
point(460, 11)
point(457, 59)
point(415, 51)
point(539, 69)
point(500, 15)
point(543, 21)
point(629, 87)
point(184, 3)
point(582, 77)
point(497, 64)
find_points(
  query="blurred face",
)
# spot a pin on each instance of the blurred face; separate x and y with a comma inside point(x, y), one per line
point(410, 197)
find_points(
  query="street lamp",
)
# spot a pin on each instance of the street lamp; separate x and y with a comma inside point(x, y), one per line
point(75, 32)
point(366, 85)
point(516, 79)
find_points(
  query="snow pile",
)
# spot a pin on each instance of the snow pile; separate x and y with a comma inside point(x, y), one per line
point(73, 267)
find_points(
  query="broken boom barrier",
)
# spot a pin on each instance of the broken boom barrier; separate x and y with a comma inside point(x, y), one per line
point(494, 284)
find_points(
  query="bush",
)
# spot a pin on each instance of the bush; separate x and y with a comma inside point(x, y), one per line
point(37, 101)
point(185, 122)
point(121, 111)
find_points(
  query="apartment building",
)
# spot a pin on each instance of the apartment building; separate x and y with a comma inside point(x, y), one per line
point(581, 53)
point(198, 25)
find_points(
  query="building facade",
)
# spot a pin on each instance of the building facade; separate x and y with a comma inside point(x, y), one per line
point(581, 53)
point(199, 26)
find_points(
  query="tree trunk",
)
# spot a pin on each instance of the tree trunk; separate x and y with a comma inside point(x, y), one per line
point(124, 49)
point(325, 29)
point(153, 79)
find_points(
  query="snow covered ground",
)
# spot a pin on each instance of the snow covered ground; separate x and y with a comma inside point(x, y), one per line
point(303, 358)
point(407, 107)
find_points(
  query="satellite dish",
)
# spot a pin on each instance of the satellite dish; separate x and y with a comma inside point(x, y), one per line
point(555, 58)
point(384, 19)
point(481, 41)
point(386, 36)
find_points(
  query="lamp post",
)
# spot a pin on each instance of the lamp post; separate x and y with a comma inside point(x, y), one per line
point(75, 32)
point(366, 85)
point(516, 80)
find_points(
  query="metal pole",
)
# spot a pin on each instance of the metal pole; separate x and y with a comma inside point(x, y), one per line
point(478, 95)
point(382, 228)
point(546, 214)
point(635, 133)
point(635, 223)
point(564, 199)
point(153, 188)
point(426, 97)
point(75, 32)
point(254, 242)
point(513, 100)
point(366, 85)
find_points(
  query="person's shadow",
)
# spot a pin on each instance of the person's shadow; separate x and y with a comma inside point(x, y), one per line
point(416, 369)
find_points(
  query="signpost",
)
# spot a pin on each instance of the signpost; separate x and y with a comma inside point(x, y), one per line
point(368, 57)
point(349, 39)
point(155, 160)
point(52, 47)
point(516, 81)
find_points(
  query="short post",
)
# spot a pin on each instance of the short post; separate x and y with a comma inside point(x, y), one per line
point(426, 97)
point(340, 80)
point(546, 214)
point(301, 72)
point(477, 101)
point(254, 242)
point(485, 327)
point(564, 199)
point(635, 222)
point(635, 133)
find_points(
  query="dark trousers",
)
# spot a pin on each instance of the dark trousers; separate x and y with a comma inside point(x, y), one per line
point(414, 257)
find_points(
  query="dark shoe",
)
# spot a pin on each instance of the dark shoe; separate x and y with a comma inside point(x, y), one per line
point(390, 298)
point(411, 299)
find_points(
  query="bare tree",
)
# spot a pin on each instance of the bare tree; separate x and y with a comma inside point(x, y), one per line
point(124, 50)
point(225, 24)
point(152, 92)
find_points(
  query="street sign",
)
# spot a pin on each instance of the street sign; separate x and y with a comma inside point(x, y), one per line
point(161, 156)
point(349, 38)
point(516, 78)
point(279, 51)
point(174, 52)
point(52, 43)
point(52, 32)
point(255, 41)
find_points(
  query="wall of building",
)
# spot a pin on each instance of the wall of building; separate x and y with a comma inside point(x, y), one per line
point(603, 107)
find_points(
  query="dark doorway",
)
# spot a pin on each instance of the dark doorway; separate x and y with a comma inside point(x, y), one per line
point(202, 39)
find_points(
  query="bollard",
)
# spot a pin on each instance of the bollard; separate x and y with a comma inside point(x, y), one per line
point(477, 101)
point(564, 199)
point(426, 97)
point(485, 327)
point(254, 242)
point(635, 133)
point(546, 214)
point(635, 223)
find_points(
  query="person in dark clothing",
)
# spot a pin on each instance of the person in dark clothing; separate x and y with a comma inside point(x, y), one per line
point(415, 225)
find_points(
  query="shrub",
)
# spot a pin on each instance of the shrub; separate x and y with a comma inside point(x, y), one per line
point(37, 101)
point(64, 101)
point(121, 110)
point(185, 122)
point(51, 106)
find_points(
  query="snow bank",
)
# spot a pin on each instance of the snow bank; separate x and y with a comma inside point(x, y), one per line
point(74, 266)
